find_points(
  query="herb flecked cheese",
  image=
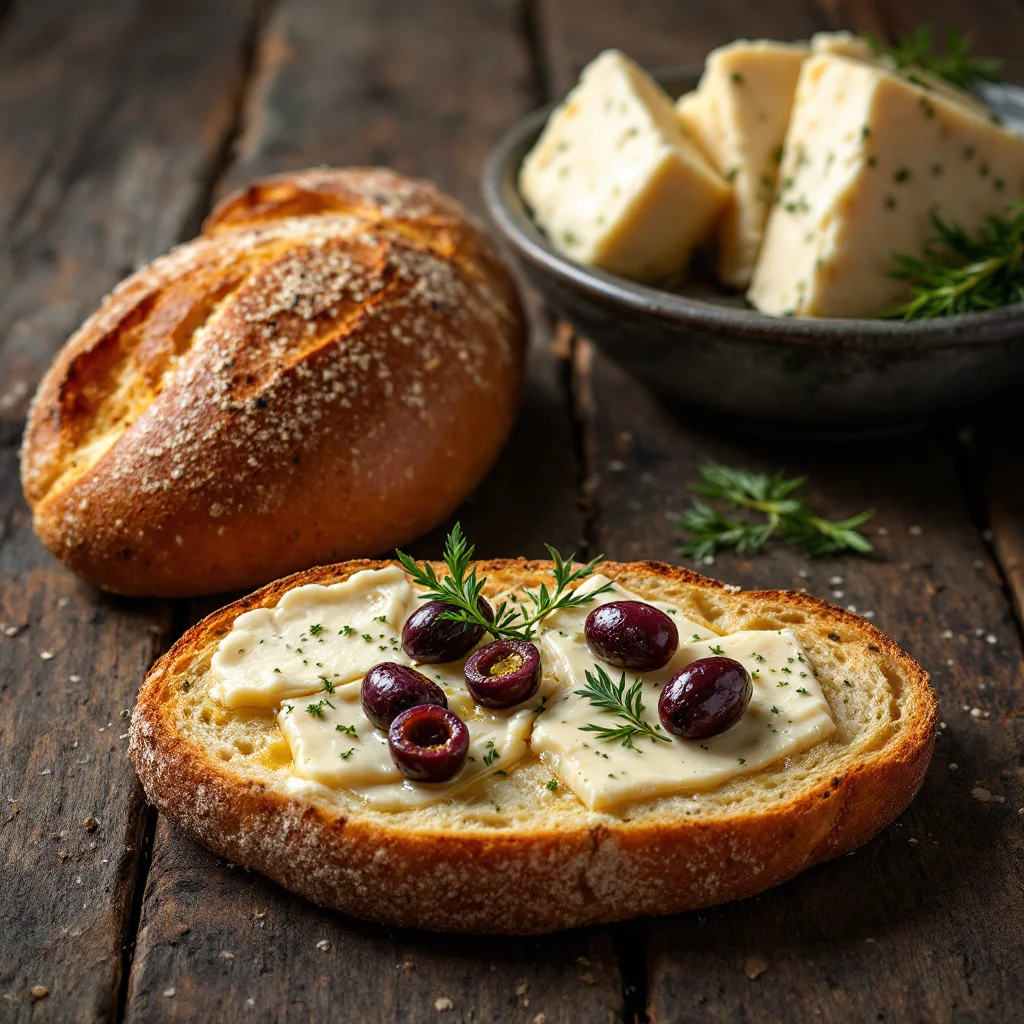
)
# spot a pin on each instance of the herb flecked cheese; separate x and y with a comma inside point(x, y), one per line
point(739, 114)
point(868, 156)
point(613, 179)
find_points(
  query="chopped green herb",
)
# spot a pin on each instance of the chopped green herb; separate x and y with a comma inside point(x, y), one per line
point(349, 730)
point(715, 649)
point(316, 629)
point(552, 784)
point(462, 588)
point(956, 65)
point(346, 754)
point(328, 686)
point(785, 513)
point(617, 700)
point(962, 273)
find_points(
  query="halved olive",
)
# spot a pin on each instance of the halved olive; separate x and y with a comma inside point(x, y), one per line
point(503, 673)
point(428, 743)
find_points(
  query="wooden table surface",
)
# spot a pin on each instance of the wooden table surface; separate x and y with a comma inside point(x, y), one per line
point(120, 122)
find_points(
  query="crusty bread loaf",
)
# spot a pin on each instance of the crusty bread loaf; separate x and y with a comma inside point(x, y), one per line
point(543, 861)
point(325, 372)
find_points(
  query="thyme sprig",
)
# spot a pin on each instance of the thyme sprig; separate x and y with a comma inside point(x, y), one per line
point(956, 65)
point(616, 699)
point(958, 273)
point(782, 510)
point(462, 588)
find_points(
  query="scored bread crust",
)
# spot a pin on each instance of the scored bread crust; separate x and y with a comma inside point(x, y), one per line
point(325, 372)
point(553, 864)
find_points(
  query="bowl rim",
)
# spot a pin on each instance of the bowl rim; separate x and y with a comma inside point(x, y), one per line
point(518, 229)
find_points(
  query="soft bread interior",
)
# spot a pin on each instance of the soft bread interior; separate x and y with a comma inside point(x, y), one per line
point(874, 691)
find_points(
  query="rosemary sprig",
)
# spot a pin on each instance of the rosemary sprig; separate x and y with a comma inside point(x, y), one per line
point(960, 274)
point(615, 698)
point(782, 510)
point(462, 588)
point(956, 65)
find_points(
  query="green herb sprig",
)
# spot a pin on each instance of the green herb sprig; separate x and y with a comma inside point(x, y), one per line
point(782, 510)
point(955, 66)
point(462, 588)
point(627, 704)
point(958, 273)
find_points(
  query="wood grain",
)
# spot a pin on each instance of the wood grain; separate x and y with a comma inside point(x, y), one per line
point(356, 83)
point(112, 114)
point(72, 812)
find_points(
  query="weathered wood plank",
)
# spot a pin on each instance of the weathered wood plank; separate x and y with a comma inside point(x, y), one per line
point(427, 88)
point(72, 812)
point(112, 115)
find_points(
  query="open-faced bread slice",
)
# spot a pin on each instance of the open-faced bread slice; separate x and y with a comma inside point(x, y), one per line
point(512, 855)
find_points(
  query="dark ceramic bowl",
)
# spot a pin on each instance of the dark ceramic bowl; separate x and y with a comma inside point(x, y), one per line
point(709, 350)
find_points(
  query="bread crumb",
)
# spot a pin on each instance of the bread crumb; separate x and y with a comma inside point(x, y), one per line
point(992, 639)
point(90, 824)
point(986, 796)
point(323, 945)
point(754, 967)
point(541, 1018)
point(953, 766)
point(169, 993)
point(443, 1003)
point(15, 630)
point(226, 954)
point(975, 712)
point(38, 992)
point(835, 581)
point(46, 655)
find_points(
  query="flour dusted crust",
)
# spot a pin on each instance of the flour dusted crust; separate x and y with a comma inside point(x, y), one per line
point(514, 857)
point(325, 372)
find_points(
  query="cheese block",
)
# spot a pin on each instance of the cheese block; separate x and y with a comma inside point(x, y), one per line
point(868, 156)
point(615, 182)
point(739, 114)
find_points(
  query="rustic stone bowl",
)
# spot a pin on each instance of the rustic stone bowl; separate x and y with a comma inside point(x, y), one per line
point(708, 350)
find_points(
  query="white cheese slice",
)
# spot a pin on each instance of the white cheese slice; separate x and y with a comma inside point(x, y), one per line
point(787, 713)
point(314, 632)
point(739, 115)
point(334, 745)
point(614, 181)
point(868, 156)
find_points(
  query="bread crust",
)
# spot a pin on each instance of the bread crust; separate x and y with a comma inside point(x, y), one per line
point(326, 372)
point(528, 880)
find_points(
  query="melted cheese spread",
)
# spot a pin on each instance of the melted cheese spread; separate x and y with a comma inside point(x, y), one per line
point(306, 657)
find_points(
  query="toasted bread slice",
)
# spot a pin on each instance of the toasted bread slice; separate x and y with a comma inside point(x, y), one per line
point(543, 861)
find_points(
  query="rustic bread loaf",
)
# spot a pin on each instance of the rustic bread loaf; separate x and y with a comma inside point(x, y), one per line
point(325, 372)
point(511, 855)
